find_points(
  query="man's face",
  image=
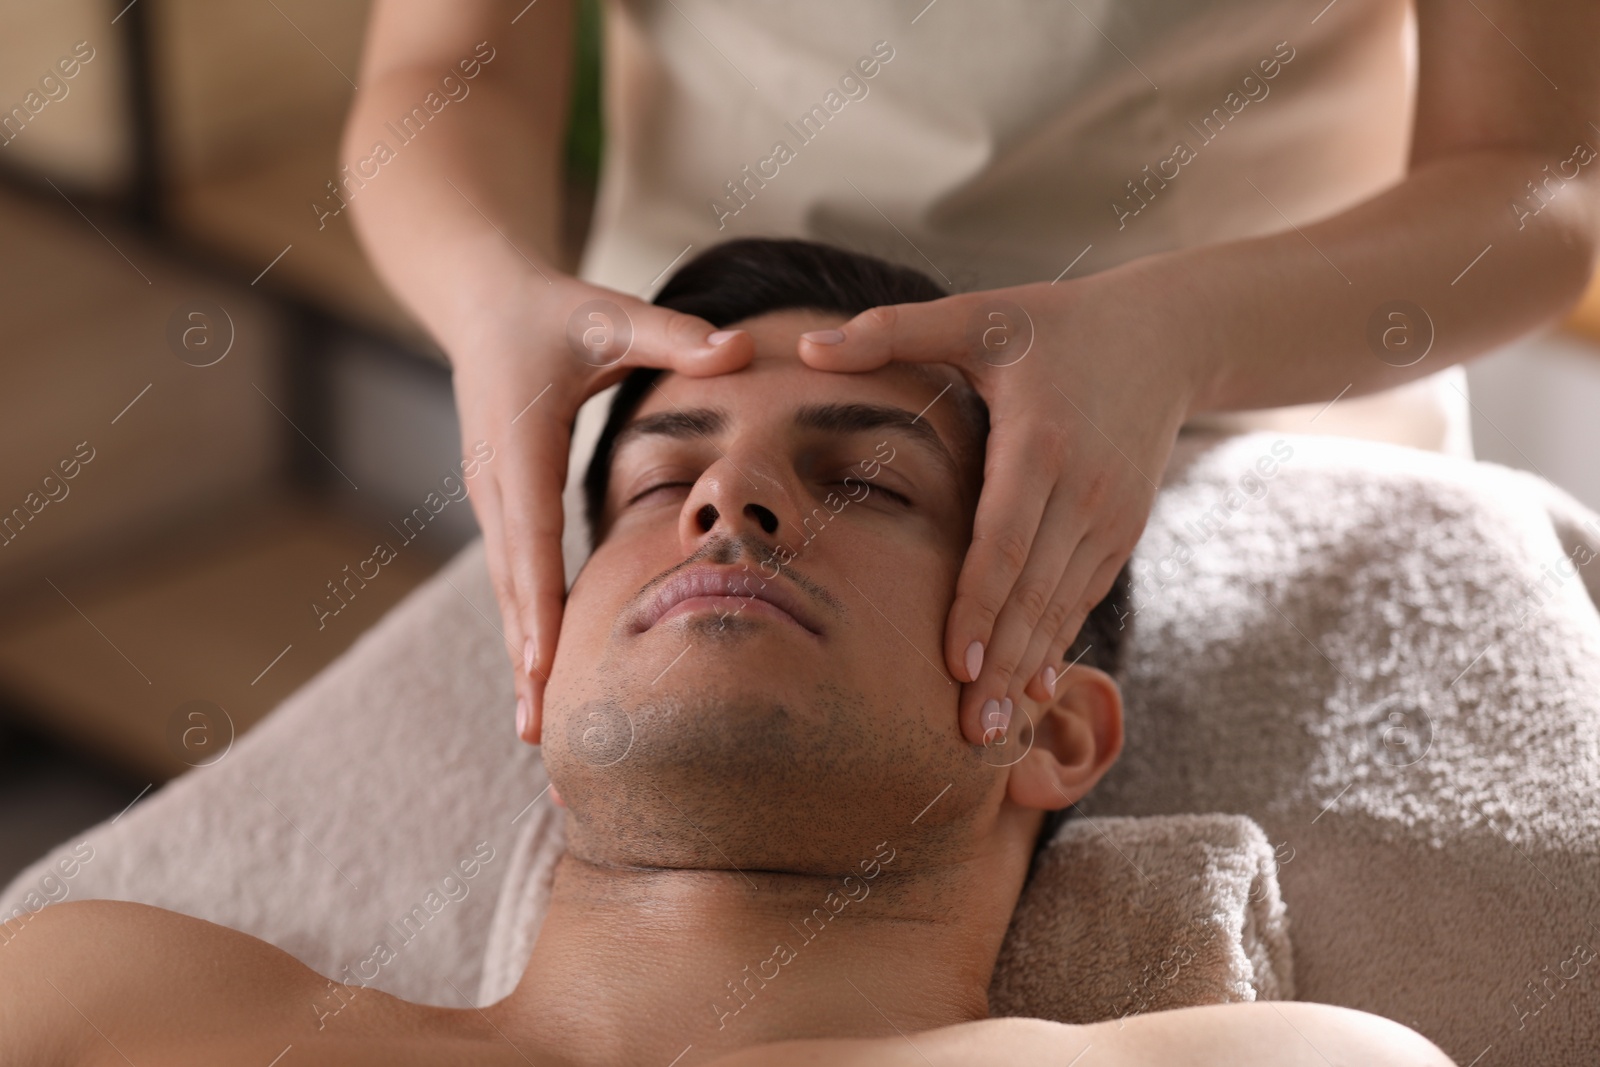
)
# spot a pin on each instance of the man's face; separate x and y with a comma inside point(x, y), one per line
point(730, 731)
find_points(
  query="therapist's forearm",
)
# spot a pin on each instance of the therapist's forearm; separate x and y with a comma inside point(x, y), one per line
point(1284, 319)
point(465, 217)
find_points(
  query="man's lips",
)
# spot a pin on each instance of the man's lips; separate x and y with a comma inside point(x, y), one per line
point(733, 591)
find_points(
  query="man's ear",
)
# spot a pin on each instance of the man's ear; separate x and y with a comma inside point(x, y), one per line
point(1076, 739)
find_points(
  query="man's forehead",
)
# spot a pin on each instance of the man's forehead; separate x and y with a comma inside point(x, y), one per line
point(923, 388)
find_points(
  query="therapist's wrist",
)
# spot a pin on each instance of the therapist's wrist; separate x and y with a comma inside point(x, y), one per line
point(1206, 373)
point(1183, 324)
point(494, 302)
point(1157, 306)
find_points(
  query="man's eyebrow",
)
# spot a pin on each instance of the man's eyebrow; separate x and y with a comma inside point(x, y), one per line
point(858, 418)
point(695, 422)
point(829, 418)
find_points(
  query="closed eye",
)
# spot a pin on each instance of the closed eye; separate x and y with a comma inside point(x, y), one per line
point(664, 485)
point(890, 493)
point(898, 498)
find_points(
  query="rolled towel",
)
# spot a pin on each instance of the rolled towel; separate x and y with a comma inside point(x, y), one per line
point(1122, 915)
point(1133, 914)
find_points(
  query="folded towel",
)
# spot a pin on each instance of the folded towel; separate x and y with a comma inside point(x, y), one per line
point(1128, 915)
point(1122, 915)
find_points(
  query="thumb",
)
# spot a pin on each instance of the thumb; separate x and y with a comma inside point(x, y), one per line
point(948, 330)
point(608, 334)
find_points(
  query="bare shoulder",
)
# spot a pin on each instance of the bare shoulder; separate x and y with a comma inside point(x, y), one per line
point(1280, 1034)
point(1285, 1033)
point(81, 979)
point(99, 981)
point(984, 1043)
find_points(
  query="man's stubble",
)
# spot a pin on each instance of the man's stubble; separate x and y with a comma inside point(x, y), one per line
point(684, 768)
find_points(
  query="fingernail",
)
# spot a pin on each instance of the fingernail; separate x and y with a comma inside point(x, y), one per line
point(527, 657)
point(522, 716)
point(721, 336)
point(823, 337)
point(974, 660)
point(997, 713)
point(1050, 679)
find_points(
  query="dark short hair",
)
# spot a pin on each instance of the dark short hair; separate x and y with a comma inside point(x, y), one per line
point(751, 276)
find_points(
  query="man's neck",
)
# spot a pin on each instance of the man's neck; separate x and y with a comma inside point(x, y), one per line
point(633, 966)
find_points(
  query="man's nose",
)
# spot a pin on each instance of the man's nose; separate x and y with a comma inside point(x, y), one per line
point(742, 505)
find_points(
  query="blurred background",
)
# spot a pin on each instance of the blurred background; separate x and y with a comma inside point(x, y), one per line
point(210, 408)
point(242, 410)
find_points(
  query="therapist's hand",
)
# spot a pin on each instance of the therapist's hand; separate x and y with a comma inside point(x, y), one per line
point(520, 377)
point(1085, 399)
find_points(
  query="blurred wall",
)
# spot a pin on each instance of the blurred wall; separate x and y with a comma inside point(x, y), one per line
point(243, 82)
point(1536, 406)
point(82, 138)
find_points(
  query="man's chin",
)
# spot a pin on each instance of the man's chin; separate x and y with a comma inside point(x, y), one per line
point(682, 718)
point(736, 756)
point(683, 749)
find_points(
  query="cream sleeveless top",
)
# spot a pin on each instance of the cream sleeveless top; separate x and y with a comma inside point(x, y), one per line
point(1006, 141)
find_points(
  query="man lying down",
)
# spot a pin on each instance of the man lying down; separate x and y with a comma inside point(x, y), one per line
point(747, 722)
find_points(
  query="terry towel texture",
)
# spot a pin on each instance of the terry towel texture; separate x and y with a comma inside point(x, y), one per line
point(1123, 915)
point(1387, 658)
point(1390, 659)
point(1127, 915)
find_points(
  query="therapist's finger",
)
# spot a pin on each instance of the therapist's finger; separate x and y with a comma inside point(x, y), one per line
point(934, 331)
point(531, 480)
point(485, 499)
point(1018, 483)
point(669, 340)
point(1074, 597)
point(1004, 530)
point(1029, 608)
point(1099, 585)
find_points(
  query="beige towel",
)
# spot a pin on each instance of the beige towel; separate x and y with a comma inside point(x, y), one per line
point(1390, 660)
point(1129, 915)
point(1121, 916)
